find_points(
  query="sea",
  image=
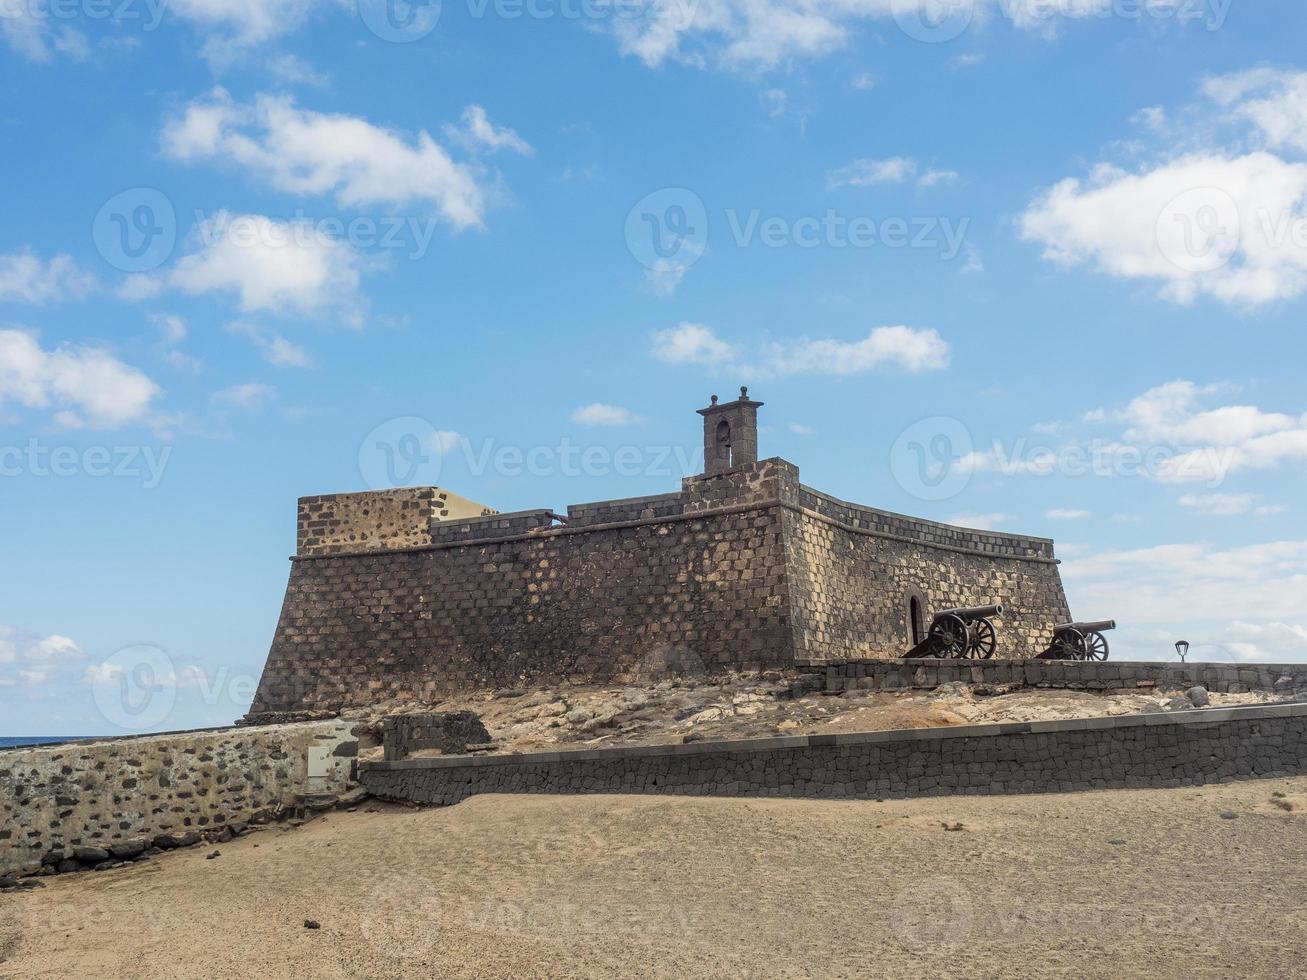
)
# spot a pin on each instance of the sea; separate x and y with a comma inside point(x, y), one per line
point(8, 743)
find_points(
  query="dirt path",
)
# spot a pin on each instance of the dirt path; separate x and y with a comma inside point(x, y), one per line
point(1104, 884)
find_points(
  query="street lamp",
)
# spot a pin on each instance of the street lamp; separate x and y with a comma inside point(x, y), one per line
point(1182, 648)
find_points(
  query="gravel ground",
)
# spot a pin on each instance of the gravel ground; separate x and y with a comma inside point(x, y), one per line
point(1206, 882)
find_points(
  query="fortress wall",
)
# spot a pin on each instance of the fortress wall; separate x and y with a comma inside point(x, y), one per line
point(630, 509)
point(124, 791)
point(1225, 678)
point(376, 521)
point(855, 569)
point(1187, 748)
point(582, 605)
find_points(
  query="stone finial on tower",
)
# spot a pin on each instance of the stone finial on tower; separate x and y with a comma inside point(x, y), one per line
point(730, 433)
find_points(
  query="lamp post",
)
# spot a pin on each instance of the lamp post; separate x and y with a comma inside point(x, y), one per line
point(1182, 648)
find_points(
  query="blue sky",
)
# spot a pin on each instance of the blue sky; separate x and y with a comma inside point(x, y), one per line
point(1037, 266)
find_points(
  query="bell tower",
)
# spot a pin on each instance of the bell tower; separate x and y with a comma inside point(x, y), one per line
point(730, 434)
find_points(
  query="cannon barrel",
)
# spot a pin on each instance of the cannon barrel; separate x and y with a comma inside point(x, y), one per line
point(1101, 626)
point(972, 613)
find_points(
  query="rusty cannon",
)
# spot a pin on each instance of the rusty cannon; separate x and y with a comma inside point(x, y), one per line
point(1079, 641)
point(960, 633)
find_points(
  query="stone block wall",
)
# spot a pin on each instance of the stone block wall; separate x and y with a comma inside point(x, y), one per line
point(1164, 750)
point(116, 791)
point(376, 521)
point(745, 569)
point(854, 571)
point(902, 675)
point(567, 605)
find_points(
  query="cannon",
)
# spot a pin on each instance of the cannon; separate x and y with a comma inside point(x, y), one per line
point(960, 633)
point(1079, 641)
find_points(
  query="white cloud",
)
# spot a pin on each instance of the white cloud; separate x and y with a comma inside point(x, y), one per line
point(867, 173)
point(312, 153)
point(692, 343)
point(1060, 514)
point(981, 522)
point(799, 429)
point(752, 34)
point(272, 266)
point(599, 414)
point(1217, 220)
point(774, 101)
point(905, 348)
point(86, 387)
point(276, 349)
point(446, 441)
point(1167, 434)
point(478, 132)
point(1274, 101)
point(1216, 441)
point(247, 397)
point(933, 178)
point(35, 658)
point(1196, 590)
point(1219, 504)
point(25, 278)
point(31, 32)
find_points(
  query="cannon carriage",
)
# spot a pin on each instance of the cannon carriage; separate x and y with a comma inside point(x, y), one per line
point(1079, 641)
point(960, 634)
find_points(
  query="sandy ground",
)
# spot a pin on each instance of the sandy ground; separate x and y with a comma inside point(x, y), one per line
point(760, 706)
point(1102, 884)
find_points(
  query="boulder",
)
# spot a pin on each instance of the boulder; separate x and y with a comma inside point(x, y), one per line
point(1198, 697)
point(90, 855)
point(128, 849)
point(67, 865)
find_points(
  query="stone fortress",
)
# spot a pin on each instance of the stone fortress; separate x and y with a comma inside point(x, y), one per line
point(416, 594)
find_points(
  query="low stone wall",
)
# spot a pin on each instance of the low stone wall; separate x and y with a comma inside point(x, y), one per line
point(1159, 750)
point(450, 732)
point(118, 792)
point(902, 675)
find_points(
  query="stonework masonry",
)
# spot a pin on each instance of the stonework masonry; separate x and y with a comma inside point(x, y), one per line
point(743, 569)
point(904, 675)
point(377, 521)
point(1189, 748)
point(116, 793)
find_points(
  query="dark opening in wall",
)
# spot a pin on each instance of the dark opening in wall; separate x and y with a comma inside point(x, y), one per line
point(916, 619)
point(724, 442)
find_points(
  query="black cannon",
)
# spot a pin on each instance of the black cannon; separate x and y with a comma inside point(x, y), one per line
point(960, 633)
point(1079, 641)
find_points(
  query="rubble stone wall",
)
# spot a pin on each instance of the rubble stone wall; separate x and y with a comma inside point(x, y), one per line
point(1189, 748)
point(116, 792)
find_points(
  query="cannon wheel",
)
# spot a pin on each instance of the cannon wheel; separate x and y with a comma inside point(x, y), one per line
point(952, 636)
point(983, 641)
point(1095, 646)
point(1071, 645)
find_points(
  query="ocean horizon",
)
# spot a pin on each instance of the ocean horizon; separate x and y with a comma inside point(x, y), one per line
point(9, 742)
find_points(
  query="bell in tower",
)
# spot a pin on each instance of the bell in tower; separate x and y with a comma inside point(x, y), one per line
point(730, 434)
